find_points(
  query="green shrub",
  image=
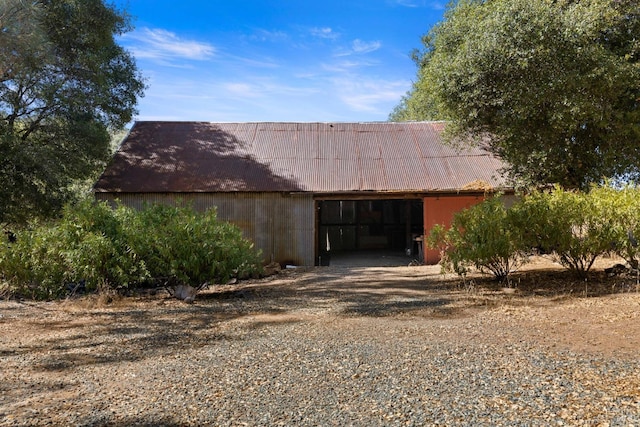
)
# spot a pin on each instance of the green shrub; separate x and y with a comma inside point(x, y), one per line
point(84, 245)
point(574, 228)
point(621, 209)
point(483, 237)
point(180, 244)
point(95, 249)
point(31, 266)
point(102, 247)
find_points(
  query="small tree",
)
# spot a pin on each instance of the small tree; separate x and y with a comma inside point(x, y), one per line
point(483, 237)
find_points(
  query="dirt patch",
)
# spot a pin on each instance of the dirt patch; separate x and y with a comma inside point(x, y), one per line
point(544, 303)
point(53, 349)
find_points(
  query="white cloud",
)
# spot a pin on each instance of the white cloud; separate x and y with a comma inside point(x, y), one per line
point(255, 62)
point(432, 4)
point(324, 33)
point(240, 90)
point(360, 47)
point(350, 96)
point(165, 46)
point(254, 84)
point(438, 5)
point(345, 66)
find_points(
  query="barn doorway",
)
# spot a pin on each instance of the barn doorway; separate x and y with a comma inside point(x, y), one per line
point(369, 232)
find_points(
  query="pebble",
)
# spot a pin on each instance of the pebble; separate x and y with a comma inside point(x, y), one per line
point(321, 370)
point(308, 374)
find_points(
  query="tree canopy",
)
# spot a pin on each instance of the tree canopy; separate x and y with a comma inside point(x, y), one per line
point(550, 86)
point(64, 85)
point(419, 103)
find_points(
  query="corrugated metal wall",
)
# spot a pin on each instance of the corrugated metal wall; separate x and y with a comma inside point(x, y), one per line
point(280, 224)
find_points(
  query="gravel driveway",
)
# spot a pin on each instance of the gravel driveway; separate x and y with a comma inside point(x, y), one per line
point(324, 347)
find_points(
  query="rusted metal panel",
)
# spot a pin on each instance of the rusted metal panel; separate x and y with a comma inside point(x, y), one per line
point(280, 225)
point(370, 182)
point(409, 174)
point(293, 157)
point(441, 210)
point(308, 141)
point(369, 146)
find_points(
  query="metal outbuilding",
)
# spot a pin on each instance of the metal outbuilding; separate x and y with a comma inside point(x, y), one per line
point(297, 188)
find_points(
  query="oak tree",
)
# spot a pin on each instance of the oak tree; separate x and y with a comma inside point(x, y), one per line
point(550, 86)
point(65, 84)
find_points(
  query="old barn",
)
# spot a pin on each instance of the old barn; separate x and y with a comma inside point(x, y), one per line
point(298, 189)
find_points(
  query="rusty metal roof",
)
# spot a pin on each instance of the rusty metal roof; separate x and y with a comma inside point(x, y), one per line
point(291, 157)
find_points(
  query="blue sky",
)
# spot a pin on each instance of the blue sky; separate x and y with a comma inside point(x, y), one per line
point(276, 60)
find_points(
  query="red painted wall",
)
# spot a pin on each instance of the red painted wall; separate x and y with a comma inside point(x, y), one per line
point(440, 210)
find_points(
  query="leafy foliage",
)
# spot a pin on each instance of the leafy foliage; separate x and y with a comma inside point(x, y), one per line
point(418, 104)
point(101, 247)
point(621, 209)
point(483, 237)
point(190, 247)
point(574, 228)
point(552, 87)
point(64, 84)
point(84, 245)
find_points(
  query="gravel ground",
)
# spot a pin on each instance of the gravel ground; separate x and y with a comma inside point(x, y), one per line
point(323, 347)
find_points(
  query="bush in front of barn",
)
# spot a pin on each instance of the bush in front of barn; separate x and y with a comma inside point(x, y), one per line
point(573, 228)
point(483, 237)
point(179, 244)
point(81, 250)
point(95, 247)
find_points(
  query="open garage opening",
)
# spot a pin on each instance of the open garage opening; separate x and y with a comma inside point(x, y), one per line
point(376, 232)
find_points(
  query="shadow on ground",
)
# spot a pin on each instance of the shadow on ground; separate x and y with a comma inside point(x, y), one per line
point(135, 328)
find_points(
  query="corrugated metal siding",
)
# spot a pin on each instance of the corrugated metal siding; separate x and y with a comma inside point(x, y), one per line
point(281, 226)
point(293, 157)
point(371, 181)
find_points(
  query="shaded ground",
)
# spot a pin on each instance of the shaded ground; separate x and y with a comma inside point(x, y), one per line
point(57, 356)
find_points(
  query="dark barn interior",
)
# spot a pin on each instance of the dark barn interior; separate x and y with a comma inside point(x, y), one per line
point(369, 227)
